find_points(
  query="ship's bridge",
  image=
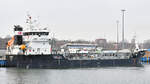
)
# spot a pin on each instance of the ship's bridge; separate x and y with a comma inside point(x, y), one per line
point(35, 33)
point(36, 36)
point(37, 42)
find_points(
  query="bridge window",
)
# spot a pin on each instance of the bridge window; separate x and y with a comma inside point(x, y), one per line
point(35, 33)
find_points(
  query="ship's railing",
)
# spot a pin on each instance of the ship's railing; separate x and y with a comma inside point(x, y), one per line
point(91, 56)
point(81, 56)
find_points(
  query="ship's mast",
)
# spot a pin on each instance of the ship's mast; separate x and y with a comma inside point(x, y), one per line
point(29, 21)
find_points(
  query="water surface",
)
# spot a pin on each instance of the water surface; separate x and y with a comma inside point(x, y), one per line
point(109, 75)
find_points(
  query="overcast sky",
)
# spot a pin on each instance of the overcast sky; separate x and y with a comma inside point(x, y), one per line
point(80, 19)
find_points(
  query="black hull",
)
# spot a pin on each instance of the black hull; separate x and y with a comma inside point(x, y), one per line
point(47, 61)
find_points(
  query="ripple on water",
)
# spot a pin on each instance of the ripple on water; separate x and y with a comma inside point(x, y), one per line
point(109, 75)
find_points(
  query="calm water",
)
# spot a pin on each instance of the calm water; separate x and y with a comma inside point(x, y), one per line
point(111, 75)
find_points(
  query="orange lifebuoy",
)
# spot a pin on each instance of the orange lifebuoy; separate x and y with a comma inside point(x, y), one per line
point(23, 47)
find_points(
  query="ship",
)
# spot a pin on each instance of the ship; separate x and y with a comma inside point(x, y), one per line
point(31, 47)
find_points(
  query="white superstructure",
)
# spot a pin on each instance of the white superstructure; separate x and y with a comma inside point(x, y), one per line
point(35, 40)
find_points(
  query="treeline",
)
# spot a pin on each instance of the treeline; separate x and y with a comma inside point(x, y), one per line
point(146, 44)
point(3, 42)
point(56, 44)
point(105, 45)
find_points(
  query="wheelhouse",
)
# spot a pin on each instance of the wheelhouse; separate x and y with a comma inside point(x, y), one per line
point(35, 33)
